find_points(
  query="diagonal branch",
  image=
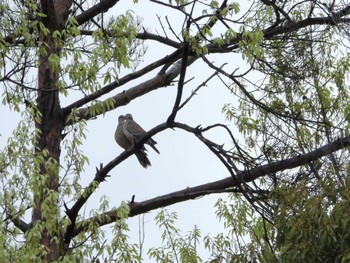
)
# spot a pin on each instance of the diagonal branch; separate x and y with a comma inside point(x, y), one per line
point(137, 208)
point(194, 92)
point(108, 88)
point(181, 82)
point(20, 224)
point(154, 83)
point(101, 175)
point(101, 7)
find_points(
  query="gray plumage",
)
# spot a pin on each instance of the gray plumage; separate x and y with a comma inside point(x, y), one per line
point(143, 159)
point(124, 142)
point(119, 135)
point(134, 132)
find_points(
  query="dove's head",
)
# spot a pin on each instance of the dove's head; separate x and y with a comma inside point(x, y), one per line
point(128, 116)
point(121, 118)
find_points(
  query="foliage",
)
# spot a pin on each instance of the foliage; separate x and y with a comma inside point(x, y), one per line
point(286, 65)
point(176, 248)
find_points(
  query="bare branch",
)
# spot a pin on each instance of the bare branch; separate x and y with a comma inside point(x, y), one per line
point(100, 7)
point(144, 36)
point(101, 174)
point(294, 26)
point(180, 84)
point(194, 92)
point(224, 185)
point(126, 96)
point(108, 88)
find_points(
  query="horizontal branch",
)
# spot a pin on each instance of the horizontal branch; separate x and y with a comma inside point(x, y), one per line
point(143, 36)
point(294, 26)
point(164, 40)
point(137, 208)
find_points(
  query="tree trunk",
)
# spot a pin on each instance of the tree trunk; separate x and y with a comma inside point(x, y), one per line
point(49, 126)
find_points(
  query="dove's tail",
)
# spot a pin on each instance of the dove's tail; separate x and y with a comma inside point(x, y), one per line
point(153, 143)
point(143, 159)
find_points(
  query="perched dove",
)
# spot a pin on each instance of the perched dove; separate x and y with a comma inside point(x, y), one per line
point(126, 143)
point(134, 132)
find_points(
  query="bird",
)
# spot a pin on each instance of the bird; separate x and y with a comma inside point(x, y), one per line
point(124, 142)
point(134, 132)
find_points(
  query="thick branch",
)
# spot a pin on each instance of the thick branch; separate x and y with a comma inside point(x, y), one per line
point(189, 193)
point(101, 7)
point(108, 88)
point(20, 224)
point(294, 26)
point(154, 83)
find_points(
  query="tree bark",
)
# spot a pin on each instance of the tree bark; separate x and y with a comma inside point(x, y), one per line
point(49, 125)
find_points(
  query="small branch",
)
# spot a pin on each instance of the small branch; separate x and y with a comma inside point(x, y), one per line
point(251, 97)
point(277, 9)
point(194, 92)
point(180, 84)
point(161, 24)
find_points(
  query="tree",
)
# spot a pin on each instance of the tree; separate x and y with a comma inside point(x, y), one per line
point(290, 102)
